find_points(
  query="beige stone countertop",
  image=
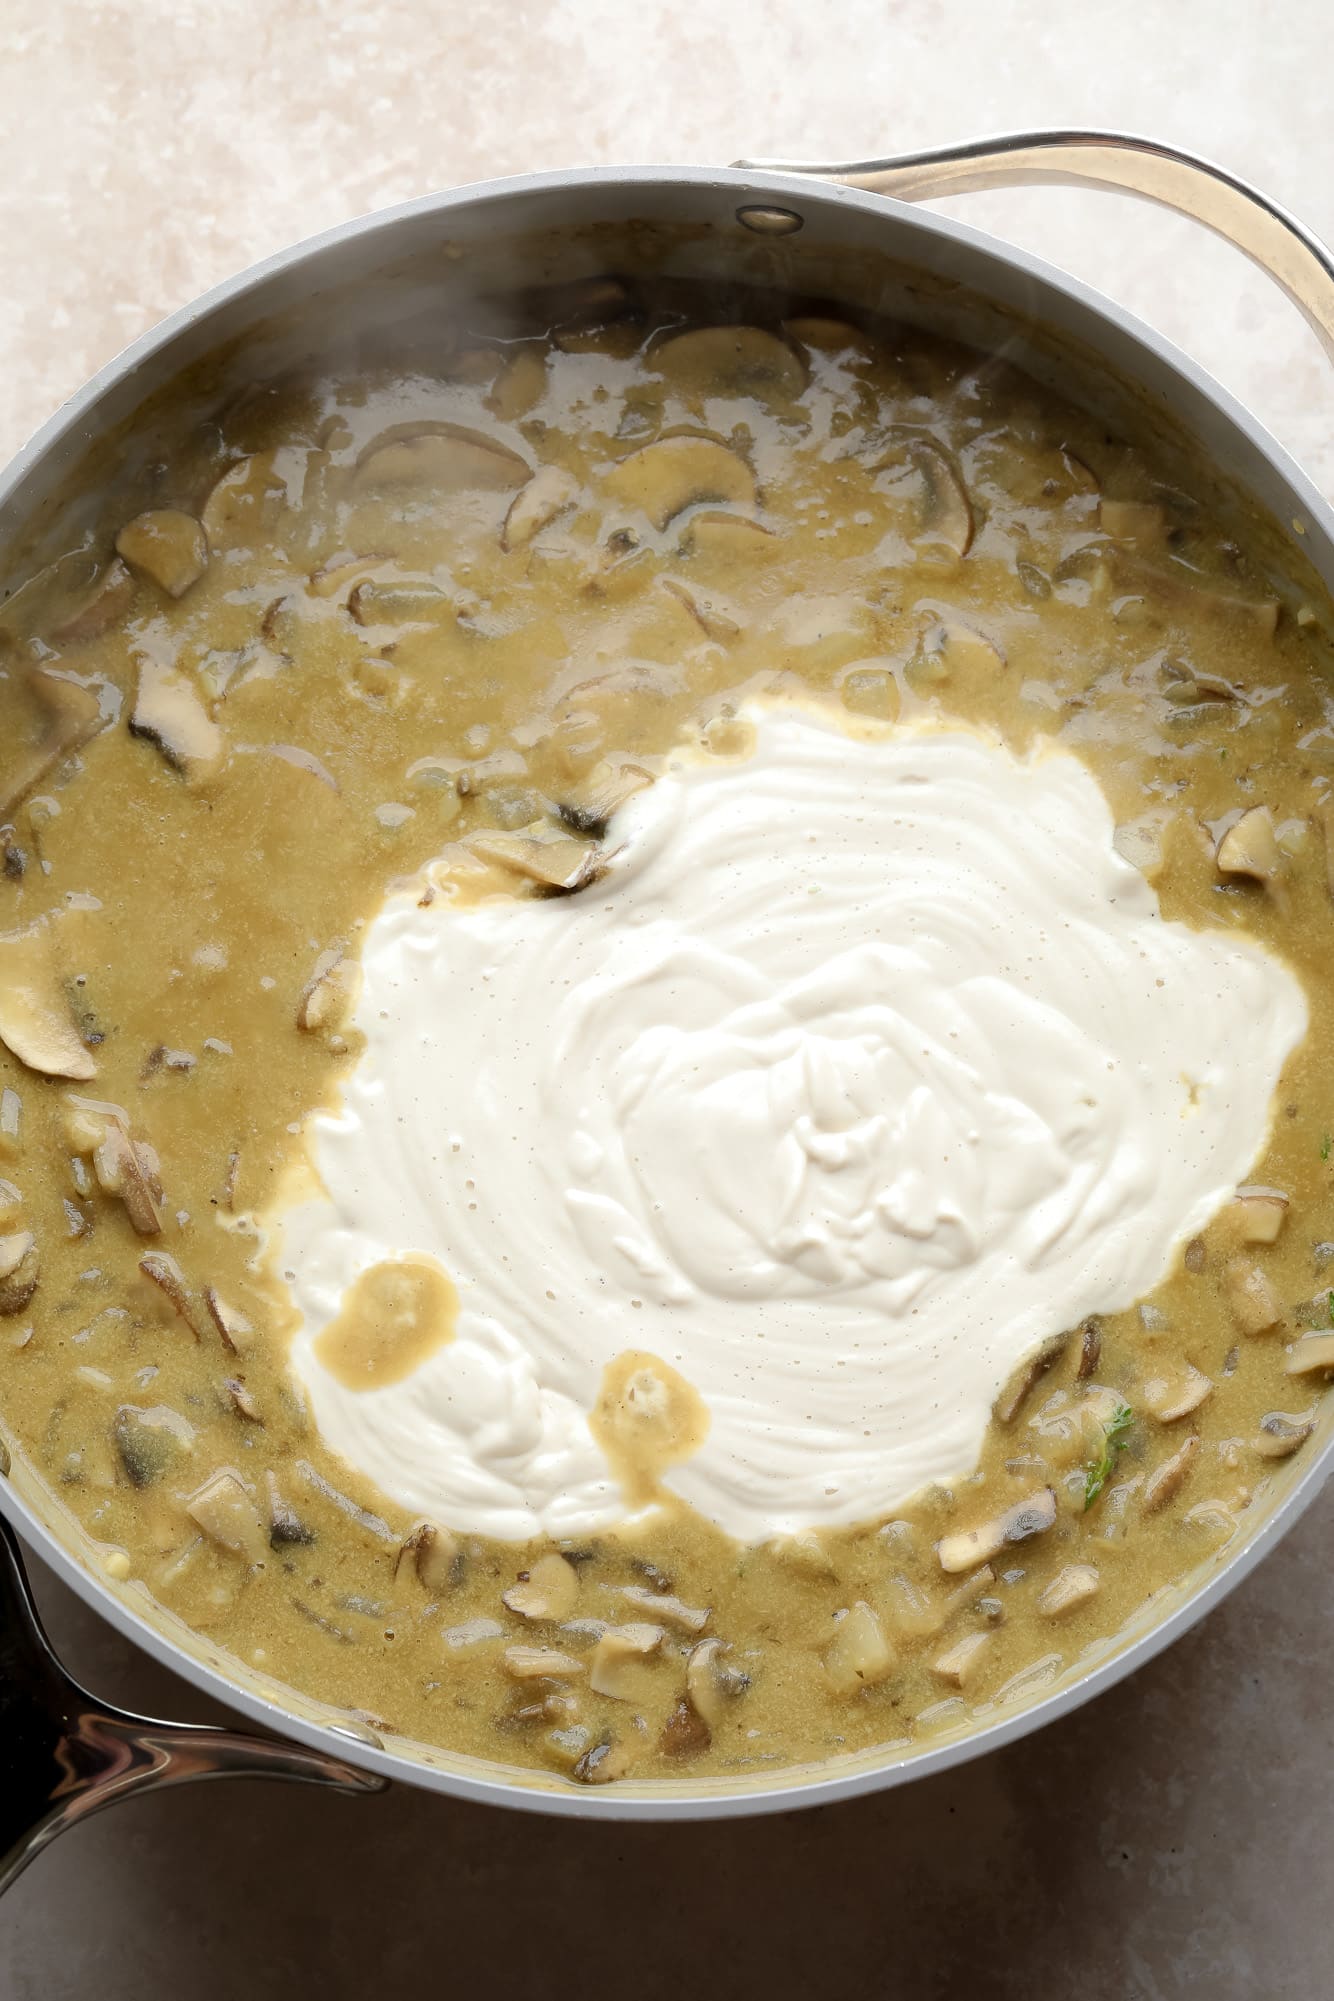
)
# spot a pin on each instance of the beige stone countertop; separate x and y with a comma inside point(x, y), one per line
point(1173, 1838)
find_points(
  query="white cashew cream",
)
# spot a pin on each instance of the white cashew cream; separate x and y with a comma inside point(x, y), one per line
point(867, 1066)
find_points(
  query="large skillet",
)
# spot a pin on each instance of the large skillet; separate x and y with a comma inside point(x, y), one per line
point(825, 231)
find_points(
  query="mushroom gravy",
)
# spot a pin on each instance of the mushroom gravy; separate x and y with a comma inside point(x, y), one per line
point(455, 613)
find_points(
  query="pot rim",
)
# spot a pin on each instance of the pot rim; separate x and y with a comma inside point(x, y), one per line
point(625, 1802)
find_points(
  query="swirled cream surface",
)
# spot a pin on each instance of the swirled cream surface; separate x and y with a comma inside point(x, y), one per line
point(868, 1065)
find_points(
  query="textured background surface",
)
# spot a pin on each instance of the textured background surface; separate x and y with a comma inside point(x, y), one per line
point(1171, 1839)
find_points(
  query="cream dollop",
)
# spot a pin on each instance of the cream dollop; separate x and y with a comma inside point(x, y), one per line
point(869, 1065)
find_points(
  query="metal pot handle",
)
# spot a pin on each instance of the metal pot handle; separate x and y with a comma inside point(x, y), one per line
point(1293, 257)
point(65, 1755)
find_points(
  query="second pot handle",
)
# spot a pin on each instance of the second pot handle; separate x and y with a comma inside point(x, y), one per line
point(1292, 255)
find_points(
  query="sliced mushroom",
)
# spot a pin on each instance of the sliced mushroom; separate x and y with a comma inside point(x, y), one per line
point(167, 1276)
point(619, 1658)
point(476, 1633)
point(373, 1524)
point(869, 688)
point(584, 304)
point(327, 994)
point(342, 573)
point(1256, 1216)
point(1141, 521)
point(806, 1552)
point(714, 618)
point(1189, 688)
point(1280, 1435)
point(967, 1593)
point(148, 1441)
point(1250, 847)
point(169, 714)
point(1174, 1396)
point(556, 861)
point(671, 1611)
point(1324, 819)
point(914, 1611)
point(1166, 1480)
point(242, 1401)
point(671, 474)
point(1254, 1304)
point(540, 1664)
point(1081, 477)
point(166, 545)
point(286, 1528)
point(947, 515)
point(70, 714)
point(551, 491)
point(399, 601)
point(619, 569)
point(732, 537)
point(548, 1591)
point(1011, 1399)
point(1090, 1348)
point(609, 1760)
point(36, 1021)
point(1073, 1585)
point(825, 335)
point(566, 1747)
point(446, 458)
point(1140, 842)
point(959, 1663)
point(601, 795)
point(126, 1169)
point(859, 1655)
point(1167, 582)
point(223, 1509)
point(711, 1683)
point(617, 341)
point(233, 1329)
point(956, 649)
point(109, 600)
point(969, 1547)
point(435, 1557)
point(475, 366)
point(944, 509)
point(685, 1734)
point(730, 361)
point(242, 501)
point(520, 385)
point(19, 1270)
point(1313, 1355)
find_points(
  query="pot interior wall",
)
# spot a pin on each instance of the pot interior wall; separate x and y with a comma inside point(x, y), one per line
point(444, 273)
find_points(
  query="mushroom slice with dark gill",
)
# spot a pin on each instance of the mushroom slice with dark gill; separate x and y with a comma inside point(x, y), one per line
point(662, 479)
point(169, 714)
point(19, 1270)
point(36, 1021)
point(1280, 1435)
point(968, 1547)
point(68, 714)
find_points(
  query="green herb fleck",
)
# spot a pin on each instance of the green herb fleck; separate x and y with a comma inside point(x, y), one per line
point(1098, 1471)
point(1327, 1146)
point(1329, 1307)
